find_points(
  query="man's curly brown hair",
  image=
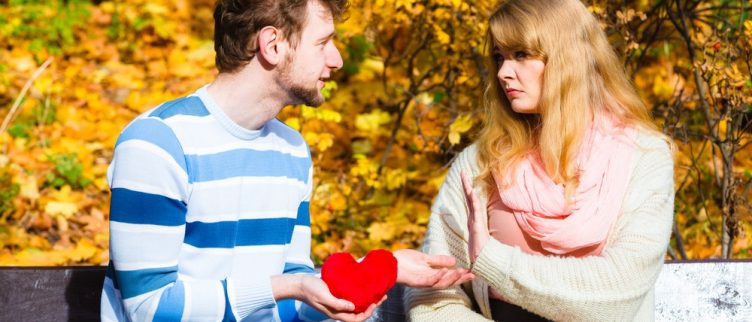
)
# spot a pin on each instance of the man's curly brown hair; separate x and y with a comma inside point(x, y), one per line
point(237, 23)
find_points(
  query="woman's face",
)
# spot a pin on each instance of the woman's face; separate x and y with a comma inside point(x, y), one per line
point(521, 79)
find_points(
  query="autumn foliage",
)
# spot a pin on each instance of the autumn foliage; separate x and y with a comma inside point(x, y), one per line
point(74, 73)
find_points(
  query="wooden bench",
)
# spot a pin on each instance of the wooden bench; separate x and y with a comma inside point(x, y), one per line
point(685, 291)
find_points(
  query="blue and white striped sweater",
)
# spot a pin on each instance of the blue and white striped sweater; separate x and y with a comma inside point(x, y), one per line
point(203, 212)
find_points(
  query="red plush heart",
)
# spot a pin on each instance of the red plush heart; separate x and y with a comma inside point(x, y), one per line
point(361, 283)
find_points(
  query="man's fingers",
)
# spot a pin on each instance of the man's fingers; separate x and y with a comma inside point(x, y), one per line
point(464, 278)
point(338, 305)
point(371, 308)
point(440, 260)
point(442, 278)
point(435, 278)
point(349, 317)
point(362, 316)
point(448, 279)
point(454, 278)
point(345, 305)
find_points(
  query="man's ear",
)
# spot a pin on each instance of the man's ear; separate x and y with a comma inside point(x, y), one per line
point(272, 46)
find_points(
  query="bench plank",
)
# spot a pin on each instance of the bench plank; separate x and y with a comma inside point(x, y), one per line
point(704, 291)
point(50, 294)
point(685, 291)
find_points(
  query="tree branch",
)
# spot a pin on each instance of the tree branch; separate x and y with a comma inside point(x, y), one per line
point(22, 95)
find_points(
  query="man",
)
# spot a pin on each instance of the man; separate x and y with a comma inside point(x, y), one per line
point(209, 213)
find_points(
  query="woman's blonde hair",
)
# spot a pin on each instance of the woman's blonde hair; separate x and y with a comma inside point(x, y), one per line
point(583, 78)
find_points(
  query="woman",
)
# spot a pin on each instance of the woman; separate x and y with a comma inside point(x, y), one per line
point(563, 207)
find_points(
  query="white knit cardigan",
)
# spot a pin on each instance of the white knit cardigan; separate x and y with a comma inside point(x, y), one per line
point(616, 285)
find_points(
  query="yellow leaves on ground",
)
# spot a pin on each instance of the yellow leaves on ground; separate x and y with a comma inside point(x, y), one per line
point(62, 208)
point(124, 59)
point(28, 185)
point(183, 64)
point(63, 202)
point(33, 256)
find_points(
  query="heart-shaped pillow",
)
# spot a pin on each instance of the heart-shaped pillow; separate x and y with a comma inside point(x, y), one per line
point(361, 283)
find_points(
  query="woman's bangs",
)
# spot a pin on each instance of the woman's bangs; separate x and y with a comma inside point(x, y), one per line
point(508, 33)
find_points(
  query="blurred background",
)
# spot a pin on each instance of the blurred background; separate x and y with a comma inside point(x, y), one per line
point(74, 73)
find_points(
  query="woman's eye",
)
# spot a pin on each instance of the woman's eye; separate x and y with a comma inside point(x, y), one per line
point(520, 54)
point(498, 57)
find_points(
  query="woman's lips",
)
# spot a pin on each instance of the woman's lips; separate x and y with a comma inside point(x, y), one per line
point(513, 92)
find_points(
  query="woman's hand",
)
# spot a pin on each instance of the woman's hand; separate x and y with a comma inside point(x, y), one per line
point(477, 224)
point(315, 292)
point(416, 269)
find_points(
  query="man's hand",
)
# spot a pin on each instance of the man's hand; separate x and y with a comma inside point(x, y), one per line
point(416, 269)
point(315, 292)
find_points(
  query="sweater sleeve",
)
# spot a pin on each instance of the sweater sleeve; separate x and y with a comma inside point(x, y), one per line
point(298, 261)
point(150, 188)
point(608, 287)
point(452, 304)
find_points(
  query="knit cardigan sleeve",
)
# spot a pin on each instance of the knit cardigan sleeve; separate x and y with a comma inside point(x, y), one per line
point(443, 237)
point(608, 287)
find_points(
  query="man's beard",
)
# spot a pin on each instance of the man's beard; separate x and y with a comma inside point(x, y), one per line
point(307, 95)
point(300, 93)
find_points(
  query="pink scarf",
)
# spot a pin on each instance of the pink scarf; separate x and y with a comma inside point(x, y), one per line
point(539, 204)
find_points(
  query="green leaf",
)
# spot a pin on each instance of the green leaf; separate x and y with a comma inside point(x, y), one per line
point(350, 68)
point(438, 96)
point(140, 23)
point(19, 130)
point(68, 170)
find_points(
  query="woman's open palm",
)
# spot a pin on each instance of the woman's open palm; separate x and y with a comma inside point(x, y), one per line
point(477, 223)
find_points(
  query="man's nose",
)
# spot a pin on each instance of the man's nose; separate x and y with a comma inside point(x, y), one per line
point(334, 58)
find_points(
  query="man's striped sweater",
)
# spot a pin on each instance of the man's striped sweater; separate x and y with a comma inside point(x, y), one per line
point(203, 212)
